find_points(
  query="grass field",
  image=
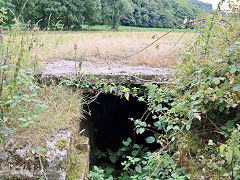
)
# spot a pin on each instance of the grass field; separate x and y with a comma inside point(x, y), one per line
point(107, 45)
point(127, 28)
point(110, 45)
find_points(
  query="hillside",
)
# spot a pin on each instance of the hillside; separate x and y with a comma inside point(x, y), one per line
point(161, 13)
point(71, 15)
point(201, 5)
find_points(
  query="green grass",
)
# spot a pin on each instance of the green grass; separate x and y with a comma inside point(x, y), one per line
point(127, 28)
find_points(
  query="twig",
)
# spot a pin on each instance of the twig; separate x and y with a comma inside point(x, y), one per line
point(159, 161)
point(181, 37)
point(82, 131)
point(157, 82)
point(1, 35)
point(188, 22)
point(94, 97)
point(23, 8)
point(45, 176)
point(144, 114)
point(147, 116)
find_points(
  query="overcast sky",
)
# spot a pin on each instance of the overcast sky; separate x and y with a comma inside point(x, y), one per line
point(213, 2)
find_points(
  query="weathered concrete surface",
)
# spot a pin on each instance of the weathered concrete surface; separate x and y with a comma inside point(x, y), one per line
point(112, 71)
point(18, 162)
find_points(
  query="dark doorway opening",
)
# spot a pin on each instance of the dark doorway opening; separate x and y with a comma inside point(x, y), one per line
point(109, 122)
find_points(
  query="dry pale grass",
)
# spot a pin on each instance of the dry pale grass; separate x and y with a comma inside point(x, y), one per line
point(111, 46)
point(63, 113)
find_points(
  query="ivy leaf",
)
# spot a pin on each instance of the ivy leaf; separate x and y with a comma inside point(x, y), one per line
point(134, 153)
point(109, 170)
point(219, 60)
point(138, 169)
point(150, 139)
point(113, 157)
point(188, 126)
point(194, 97)
point(197, 102)
point(210, 142)
point(197, 116)
point(13, 105)
point(140, 130)
point(41, 149)
point(169, 127)
point(22, 119)
point(126, 96)
point(216, 81)
point(159, 107)
point(25, 124)
point(136, 146)
point(34, 151)
point(222, 148)
point(221, 107)
point(229, 156)
point(230, 123)
point(128, 142)
point(158, 125)
point(233, 70)
point(236, 88)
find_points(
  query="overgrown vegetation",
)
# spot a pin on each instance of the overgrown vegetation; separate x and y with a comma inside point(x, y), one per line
point(31, 113)
point(63, 113)
point(196, 113)
point(20, 104)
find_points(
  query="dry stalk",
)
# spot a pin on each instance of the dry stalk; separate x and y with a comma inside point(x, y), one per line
point(1, 36)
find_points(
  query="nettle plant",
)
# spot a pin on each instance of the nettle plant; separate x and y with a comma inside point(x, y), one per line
point(19, 104)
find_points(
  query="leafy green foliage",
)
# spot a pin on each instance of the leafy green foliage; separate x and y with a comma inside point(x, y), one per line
point(205, 89)
point(113, 10)
point(202, 98)
point(97, 173)
point(140, 164)
point(71, 14)
point(19, 104)
point(54, 14)
point(231, 152)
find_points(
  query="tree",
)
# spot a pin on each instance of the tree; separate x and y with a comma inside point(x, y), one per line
point(92, 12)
point(113, 10)
point(71, 14)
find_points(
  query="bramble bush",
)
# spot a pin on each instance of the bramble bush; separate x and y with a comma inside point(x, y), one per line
point(197, 110)
point(204, 94)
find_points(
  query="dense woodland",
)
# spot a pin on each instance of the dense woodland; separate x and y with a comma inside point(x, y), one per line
point(58, 14)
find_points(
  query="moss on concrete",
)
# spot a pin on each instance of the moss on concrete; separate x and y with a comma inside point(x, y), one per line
point(78, 160)
point(61, 144)
point(63, 113)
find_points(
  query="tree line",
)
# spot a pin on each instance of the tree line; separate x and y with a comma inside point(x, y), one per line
point(71, 14)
